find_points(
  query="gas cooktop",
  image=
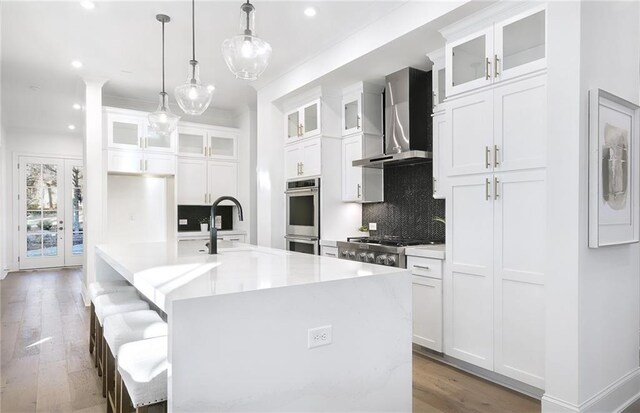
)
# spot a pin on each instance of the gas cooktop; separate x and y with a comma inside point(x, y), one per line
point(393, 241)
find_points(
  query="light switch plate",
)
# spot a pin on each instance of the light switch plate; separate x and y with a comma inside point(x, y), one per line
point(319, 336)
point(373, 226)
point(183, 222)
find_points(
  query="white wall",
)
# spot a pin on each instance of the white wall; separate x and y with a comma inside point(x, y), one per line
point(592, 294)
point(136, 209)
point(3, 204)
point(24, 142)
point(246, 122)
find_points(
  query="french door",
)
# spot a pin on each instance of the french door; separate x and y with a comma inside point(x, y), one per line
point(51, 218)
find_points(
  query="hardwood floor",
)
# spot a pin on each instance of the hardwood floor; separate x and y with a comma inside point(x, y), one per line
point(45, 363)
point(46, 366)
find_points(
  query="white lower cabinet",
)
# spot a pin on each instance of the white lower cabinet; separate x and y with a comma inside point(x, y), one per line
point(426, 274)
point(494, 283)
point(427, 312)
point(200, 182)
point(303, 159)
point(361, 184)
point(329, 251)
point(138, 162)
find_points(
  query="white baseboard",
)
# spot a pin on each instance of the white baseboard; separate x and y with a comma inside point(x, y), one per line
point(614, 398)
point(85, 296)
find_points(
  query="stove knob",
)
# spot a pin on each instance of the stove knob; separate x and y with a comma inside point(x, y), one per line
point(381, 259)
point(362, 256)
point(371, 257)
point(351, 255)
point(391, 261)
point(344, 254)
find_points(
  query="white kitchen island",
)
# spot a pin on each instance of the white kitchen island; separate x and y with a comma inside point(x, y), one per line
point(239, 324)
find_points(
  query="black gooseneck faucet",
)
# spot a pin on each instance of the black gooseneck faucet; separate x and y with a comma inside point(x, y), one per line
point(213, 232)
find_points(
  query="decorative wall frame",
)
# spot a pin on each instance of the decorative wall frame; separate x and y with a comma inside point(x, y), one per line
point(614, 174)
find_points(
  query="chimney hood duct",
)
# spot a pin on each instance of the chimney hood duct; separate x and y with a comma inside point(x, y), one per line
point(407, 115)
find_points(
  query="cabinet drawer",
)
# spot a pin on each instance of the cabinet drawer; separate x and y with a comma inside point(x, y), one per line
point(425, 267)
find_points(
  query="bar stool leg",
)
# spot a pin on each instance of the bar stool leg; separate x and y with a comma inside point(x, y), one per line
point(92, 329)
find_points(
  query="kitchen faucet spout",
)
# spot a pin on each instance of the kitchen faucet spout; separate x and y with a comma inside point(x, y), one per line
point(213, 231)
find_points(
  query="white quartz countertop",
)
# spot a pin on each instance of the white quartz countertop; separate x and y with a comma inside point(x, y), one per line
point(166, 272)
point(426, 251)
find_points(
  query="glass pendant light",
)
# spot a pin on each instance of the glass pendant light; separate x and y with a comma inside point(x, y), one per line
point(192, 97)
point(162, 120)
point(247, 55)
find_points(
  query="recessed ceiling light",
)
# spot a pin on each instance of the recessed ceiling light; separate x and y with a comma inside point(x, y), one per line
point(309, 12)
point(89, 5)
point(77, 64)
point(77, 106)
point(72, 127)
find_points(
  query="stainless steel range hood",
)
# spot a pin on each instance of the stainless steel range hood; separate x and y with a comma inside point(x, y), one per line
point(407, 120)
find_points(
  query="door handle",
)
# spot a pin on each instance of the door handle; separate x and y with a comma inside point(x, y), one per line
point(435, 182)
point(141, 166)
point(487, 76)
point(495, 65)
point(434, 99)
point(422, 267)
point(359, 190)
point(496, 182)
point(146, 165)
point(358, 122)
point(496, 151)
point(487, 153)
point(487, 183)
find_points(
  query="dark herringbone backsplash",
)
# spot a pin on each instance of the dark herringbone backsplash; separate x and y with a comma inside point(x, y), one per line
point(409, 207)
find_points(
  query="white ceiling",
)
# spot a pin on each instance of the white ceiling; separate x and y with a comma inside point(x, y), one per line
point(120, 41)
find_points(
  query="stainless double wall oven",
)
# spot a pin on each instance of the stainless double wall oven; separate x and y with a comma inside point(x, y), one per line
point(303, 215)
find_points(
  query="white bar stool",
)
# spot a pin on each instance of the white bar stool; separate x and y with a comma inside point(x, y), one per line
point(97, 289)
point(120, 329)
point(109, 304)
point(142, 367)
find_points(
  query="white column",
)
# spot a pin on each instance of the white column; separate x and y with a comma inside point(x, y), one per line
point(94, 182)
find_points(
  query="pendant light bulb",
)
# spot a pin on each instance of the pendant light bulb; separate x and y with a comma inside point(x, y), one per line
point(162, 120)
point(246, 55)
point(192, 97)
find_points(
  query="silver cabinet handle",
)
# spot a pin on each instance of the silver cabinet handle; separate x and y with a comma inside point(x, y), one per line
point(422, 267)
point(486, 189)
point(496, 151)
point(141, 165)
point(234, 239)
point(301, 168)
point(329, 254)
point(204, 150)
point(359, 186)
point(146, 165)
point(209, 197)
point(435, 183)
point(495, 65)
point(435, 99)
point(496, 182)
point(210, 151)
point(487, 153)
point(358, 121)
point(141, 142)
point(487, 76)
point(205, 197)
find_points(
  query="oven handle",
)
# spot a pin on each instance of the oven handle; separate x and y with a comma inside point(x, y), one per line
point(301, 190)
point(306, 240)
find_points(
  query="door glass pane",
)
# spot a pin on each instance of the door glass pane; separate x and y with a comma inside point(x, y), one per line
point(77, 217)
point(156, 140)
point(41, 209)
point(523, 41)
point(351, 115)
point(293, 124)
point(222, 146)
point(190, 143)
point(125, 133)
point(468, 61)
point(311, 118)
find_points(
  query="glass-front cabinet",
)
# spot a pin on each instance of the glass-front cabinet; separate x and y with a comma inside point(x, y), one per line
point(505, 49)
point(223, 145)
point(192, 142)
point(124, 131)
point(156, 142)
point(303, 122)
point(352, 114)
point(206, 142)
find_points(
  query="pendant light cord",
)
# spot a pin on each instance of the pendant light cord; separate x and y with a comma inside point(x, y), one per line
point(193, 28)
point(163, 58)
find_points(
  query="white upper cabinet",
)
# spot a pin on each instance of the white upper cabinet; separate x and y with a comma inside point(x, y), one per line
point(505, 48)
point(223, 179)
point(130, 130)
point(438, 79)
point(192, 182)
point(124, 131)
point(304, 121)
point(202, 141)
point(192, 142)
point(303, 159)
point(361, 184)
point(362, 109)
